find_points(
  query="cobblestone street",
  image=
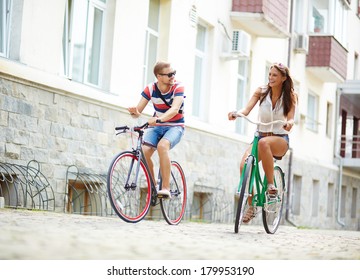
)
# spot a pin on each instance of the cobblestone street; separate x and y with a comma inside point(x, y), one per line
point(89, 247)
point(39, 235)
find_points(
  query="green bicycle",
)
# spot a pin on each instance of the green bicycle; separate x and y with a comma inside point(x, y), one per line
point(252, 188)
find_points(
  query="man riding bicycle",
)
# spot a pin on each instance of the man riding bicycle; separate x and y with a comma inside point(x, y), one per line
point(166, 126)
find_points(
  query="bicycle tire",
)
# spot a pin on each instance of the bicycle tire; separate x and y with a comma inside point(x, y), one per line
point(130, 200)
point(243, 203)
point(173, 209)
point(272, 210)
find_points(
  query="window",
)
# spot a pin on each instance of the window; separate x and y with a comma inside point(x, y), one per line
point(296, 195)
point(318, 21)
point(299, 19)
point(198, 109)
point(201, 207)
point(329, 17)
point(241, 93)
point(330, 200)
point(354, 203)
point(4, 26)
point(82, 40)
point(329, 112)
point(267, 70)
point(343, 202)
point(151, 45)
point(312, 112)
point(315, 198)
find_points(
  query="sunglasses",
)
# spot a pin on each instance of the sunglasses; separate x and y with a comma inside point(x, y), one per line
point(168, 74)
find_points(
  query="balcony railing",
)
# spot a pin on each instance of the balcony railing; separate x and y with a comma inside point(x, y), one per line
point(350, 150)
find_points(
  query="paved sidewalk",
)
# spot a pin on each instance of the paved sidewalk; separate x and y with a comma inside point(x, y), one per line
point(42, 235)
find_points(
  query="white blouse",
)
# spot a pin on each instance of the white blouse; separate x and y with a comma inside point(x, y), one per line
point(267, 114)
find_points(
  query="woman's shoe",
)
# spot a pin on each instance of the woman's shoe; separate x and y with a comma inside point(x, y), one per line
point(271, 190)
point(164, 193)
point(249, 215)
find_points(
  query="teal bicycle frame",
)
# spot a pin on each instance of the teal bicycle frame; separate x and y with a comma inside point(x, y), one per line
point(259, 198)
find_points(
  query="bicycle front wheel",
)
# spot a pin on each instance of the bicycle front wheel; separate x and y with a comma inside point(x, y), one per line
point(272, 210)
point(173, 209)
point(243, 203)
point(129, 191)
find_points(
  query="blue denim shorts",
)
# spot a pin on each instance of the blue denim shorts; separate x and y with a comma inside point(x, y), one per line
point(284, 136)
point(171, 133)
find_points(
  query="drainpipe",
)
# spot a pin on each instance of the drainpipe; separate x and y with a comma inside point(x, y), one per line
point(339, 158)
point(339, 195)
point(291, 33)
point(288, 190)
point(291, 151)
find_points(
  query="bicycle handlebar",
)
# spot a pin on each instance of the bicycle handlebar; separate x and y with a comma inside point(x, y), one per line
point(135, 128)
point(235, 114)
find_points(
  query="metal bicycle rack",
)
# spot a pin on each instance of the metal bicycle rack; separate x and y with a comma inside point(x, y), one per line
point(85, 193)
point(25, 187)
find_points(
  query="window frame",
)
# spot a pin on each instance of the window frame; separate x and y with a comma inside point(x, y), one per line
point(241, 96)
point(68, 42)
point(150, 53)
point(198, 108)
point(312, 122)
point(5, 27)
point(332, 20)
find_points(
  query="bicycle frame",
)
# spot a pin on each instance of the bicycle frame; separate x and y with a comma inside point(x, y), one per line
point(260, 185)
point(138, 152)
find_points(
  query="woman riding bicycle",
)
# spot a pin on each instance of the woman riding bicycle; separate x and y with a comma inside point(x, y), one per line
point(277, 102)
point(167, 124)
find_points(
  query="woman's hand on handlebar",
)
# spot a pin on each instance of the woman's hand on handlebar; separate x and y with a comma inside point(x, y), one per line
point(232, 115)
point(288, 126)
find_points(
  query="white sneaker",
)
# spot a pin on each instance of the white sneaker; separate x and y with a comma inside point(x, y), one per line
point(164, 193)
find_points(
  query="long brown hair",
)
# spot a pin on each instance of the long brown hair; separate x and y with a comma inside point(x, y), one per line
point(289, 96)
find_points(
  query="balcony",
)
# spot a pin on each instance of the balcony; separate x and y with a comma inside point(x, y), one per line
point(263, 18)
point(349, 130)
point(327, 59)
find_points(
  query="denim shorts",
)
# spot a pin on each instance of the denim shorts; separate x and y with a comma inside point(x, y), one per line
point(284, 136)
point(171, 133)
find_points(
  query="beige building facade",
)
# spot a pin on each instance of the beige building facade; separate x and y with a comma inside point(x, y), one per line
point(70, 68)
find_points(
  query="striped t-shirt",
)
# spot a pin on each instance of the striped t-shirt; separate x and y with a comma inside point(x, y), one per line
point(151, 92)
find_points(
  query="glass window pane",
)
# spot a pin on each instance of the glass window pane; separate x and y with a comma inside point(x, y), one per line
point(200, 37)
point(312, 112)
point(94, 53)
point(2, 26)
point(78, 37)
point(154, 11)
point(197, 86)
point(151, 58)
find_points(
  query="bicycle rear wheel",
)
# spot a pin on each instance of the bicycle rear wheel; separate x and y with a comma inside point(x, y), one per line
point(129, 197)
point(243, 203)
point(173, 209)
point(272, 210)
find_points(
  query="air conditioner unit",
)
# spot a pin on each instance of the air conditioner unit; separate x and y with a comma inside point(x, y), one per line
point(241, 43)
point(302, 43)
